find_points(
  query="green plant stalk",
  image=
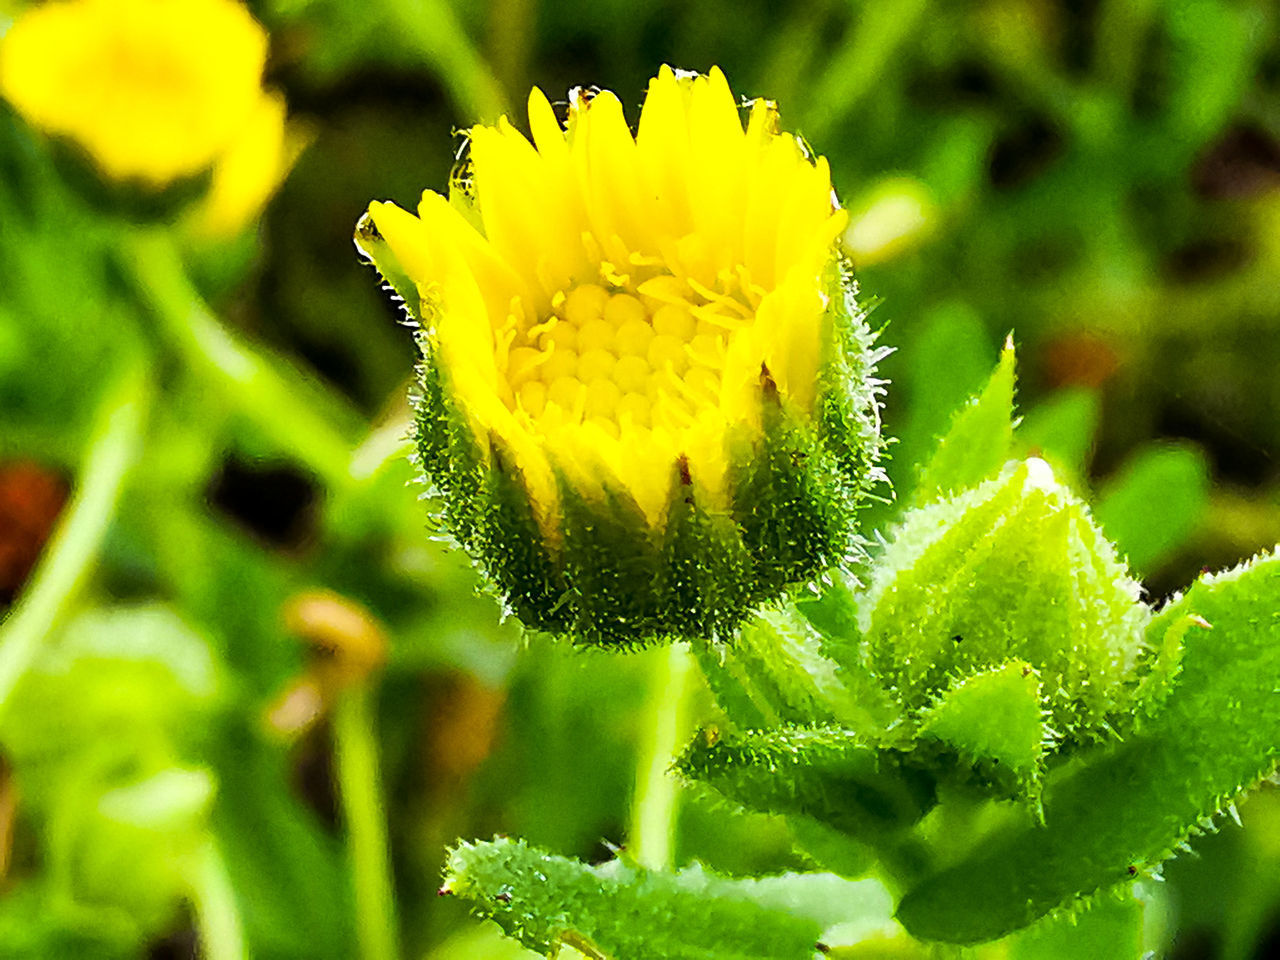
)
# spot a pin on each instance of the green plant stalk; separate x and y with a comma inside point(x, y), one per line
point(511, 27)
point(114, 447)
point(257, 389)
point(434, 29)
point(655, 808)
point(364, 812)
point(217, 918)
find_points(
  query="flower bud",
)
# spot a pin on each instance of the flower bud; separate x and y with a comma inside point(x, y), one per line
point(646, 395)
point(1014, 569)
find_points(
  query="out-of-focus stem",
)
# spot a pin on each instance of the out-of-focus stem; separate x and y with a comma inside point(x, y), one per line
point(365, 813)
point(511, 25)
point(217, 913)
point(262, 392)
point(68, 556)
point(433, 27)
point(656, 803)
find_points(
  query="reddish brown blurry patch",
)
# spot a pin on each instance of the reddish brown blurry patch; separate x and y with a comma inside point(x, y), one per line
point(1244, 162)
point(462, 725)
point(1080, 360)
point(31, 497)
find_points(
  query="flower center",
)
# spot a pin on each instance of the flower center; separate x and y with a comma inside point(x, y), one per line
point(646, 357)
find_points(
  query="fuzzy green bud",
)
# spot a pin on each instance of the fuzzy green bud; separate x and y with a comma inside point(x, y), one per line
point(1014, 569)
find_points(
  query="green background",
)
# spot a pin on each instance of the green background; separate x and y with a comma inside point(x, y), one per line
point(1101, 180)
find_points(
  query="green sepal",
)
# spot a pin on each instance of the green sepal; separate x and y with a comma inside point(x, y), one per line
point(484, 502)
point(868, 706)
point(848, 401)
point(448, 452)
point(995, 721)
point(777, 662)
point(978, 442)
point(610, 560)
point(1134, 805)
point(824, 773)
point(705, 570)
point(780, 652)
point(788, 499)
point(832, 608)
point(631, 585)
point(516, 557)
point(625, 912)
point(730, 686)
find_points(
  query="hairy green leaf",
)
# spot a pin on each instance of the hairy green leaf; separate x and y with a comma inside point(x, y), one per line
point(994, 718)
point(1132, 806)
point(825, 773)
point(775, 673)
point(623, 912)
point(978, 441)
point(1109, 928)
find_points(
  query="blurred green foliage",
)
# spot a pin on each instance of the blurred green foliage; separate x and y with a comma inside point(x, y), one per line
point(1101, 179)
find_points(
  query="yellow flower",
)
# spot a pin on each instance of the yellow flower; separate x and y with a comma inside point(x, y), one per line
point(246, 176)
point(153, 90)
point(622, 319)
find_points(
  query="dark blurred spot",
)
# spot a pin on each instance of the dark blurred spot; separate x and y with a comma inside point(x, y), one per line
point(603, 851)
point(973, 80)
point(366, 87)
point(1194, 945)
point(965, 82)
point(1235, 459)
point(1077, 20)
point(31, 497)
point(1205, 259)
point(313, 775)
point(1042, 258)
point(1268, 944)
point(1243, 163)
point(1079, 360)
point(334, 361)
point(1023, 153)
point(275, 502)
point(181, 945)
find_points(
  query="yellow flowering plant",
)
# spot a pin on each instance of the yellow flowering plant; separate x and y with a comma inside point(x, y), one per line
point(156, 94)
point(993, 732)
point(646, 397)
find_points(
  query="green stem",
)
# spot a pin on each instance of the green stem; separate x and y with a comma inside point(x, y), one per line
point(113, 449)
point(433, 27)
point(656, 804)
point(511, 26)
point(853, 72)
point(364, 810)
point(217, 913)
point(279, 402)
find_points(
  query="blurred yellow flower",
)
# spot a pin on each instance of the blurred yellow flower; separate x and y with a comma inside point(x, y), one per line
point(250, 170)
point(153, 90)
point(626, 292)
